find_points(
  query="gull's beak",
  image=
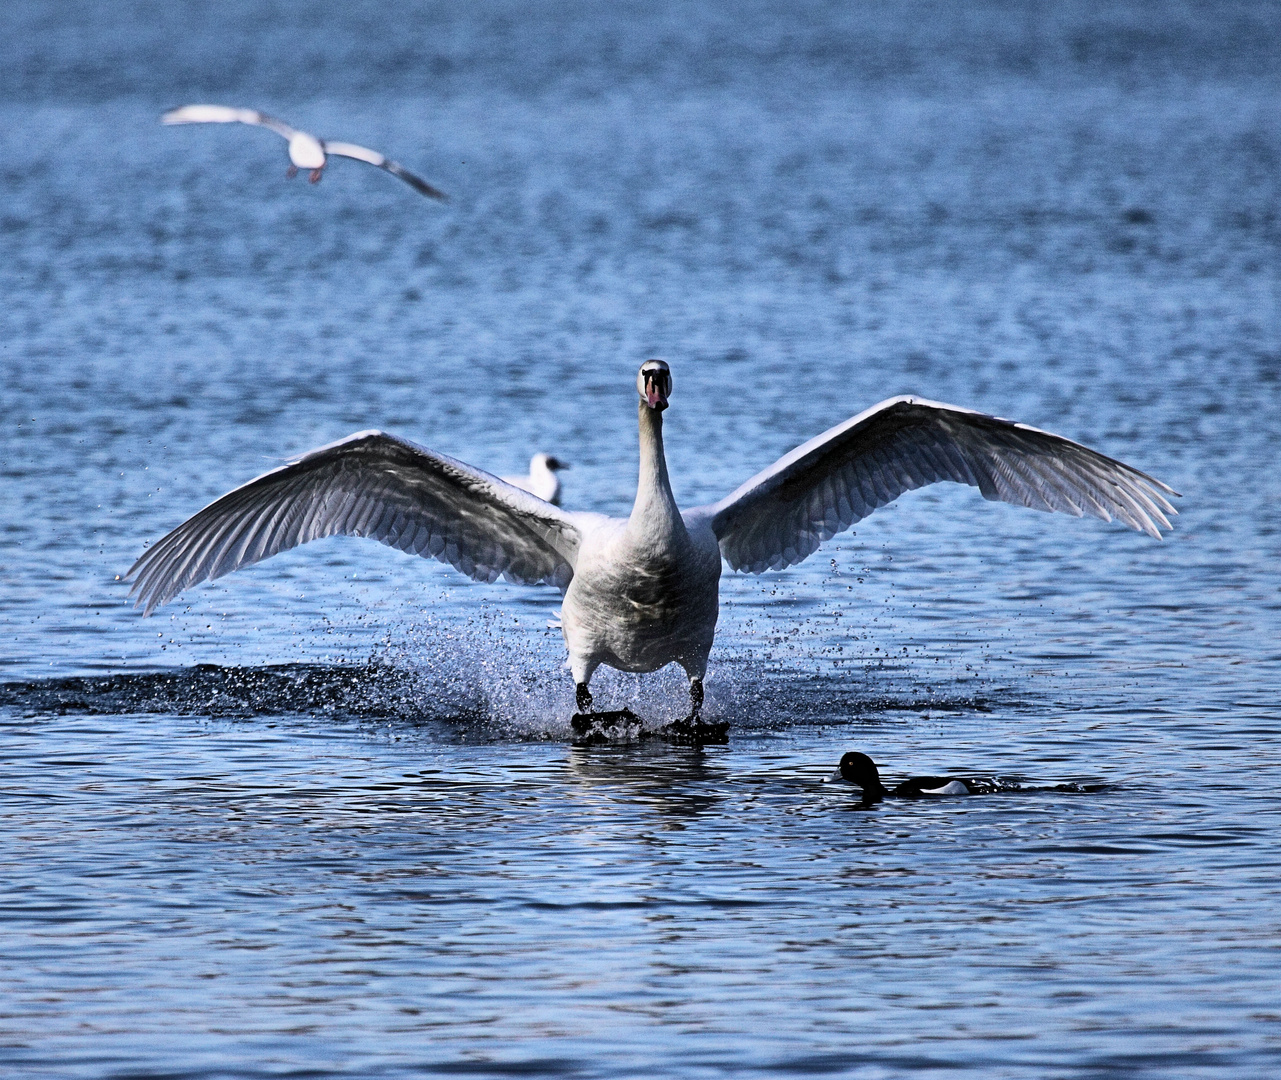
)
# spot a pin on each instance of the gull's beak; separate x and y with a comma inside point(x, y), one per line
point(655, 390)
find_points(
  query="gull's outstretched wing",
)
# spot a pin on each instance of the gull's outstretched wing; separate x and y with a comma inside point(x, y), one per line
point(376, 485)
point(781, 515)
point(225, 114)
point(373, 157)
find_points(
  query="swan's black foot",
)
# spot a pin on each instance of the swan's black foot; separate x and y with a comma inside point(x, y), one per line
point(696, 731)
point(582, 697)
point(617, 726)
point(291, 172)
point(315, 175)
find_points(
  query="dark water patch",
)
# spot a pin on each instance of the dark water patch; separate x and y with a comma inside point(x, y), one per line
point(859, 692)
point(364, 690)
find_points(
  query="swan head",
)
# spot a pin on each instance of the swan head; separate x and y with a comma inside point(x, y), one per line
point(654, 384)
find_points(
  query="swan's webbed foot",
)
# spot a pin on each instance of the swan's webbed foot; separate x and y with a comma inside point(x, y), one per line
point(591, 728)
point(315, 174)
point(694, 729)
point(616, 726)
point(291, 172)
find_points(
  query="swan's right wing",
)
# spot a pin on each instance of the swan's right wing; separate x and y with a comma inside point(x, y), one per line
point(821, 488)
point(225, 114)
point(379, 486)
point(373, 157)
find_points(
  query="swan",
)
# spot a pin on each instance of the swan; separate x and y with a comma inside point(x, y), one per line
point(542, 479)
point(641, 592)
point(305, 150)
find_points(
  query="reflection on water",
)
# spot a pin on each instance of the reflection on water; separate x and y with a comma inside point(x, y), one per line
point(677, 782)
point(322, 817)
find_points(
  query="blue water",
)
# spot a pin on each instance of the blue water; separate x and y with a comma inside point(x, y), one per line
point(323, 817)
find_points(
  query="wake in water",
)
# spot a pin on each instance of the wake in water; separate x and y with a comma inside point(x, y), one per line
point(991, 786)
point(482, 696)
point(486, 682)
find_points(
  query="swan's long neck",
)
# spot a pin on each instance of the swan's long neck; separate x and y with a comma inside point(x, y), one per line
point(655, 513)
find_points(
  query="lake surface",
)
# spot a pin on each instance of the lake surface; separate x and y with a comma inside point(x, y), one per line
point(323, 818)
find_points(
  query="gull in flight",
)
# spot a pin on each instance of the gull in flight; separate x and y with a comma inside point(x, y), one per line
point(305, 150)
point(542, 479)
point(641, 592)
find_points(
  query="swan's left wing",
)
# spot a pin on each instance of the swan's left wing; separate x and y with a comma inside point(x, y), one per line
point(379, 486)
point(373, 157)
point(781, 515)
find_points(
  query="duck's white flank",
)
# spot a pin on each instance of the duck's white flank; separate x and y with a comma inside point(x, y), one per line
point(953, 787)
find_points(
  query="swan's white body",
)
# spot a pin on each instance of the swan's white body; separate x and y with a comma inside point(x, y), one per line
point(305, 150)
point(542, 479)
point(642, 593)
point(645, 591)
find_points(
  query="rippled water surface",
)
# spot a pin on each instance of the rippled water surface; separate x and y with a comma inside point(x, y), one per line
point(323, 816)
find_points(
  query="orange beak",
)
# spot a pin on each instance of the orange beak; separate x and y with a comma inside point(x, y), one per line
point(656, 390)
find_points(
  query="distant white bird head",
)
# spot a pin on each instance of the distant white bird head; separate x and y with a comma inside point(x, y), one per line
point(654, 384)
point(547, 462)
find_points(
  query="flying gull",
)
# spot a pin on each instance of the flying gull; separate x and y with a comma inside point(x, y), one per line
point(305, 150)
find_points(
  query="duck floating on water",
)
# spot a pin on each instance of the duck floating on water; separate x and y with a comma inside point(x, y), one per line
point(642, 592)
point(861, 771)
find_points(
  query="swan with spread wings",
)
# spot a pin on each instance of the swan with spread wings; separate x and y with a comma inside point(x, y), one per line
point(642, 592)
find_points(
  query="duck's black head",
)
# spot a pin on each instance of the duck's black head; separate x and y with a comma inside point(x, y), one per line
point(861, 770)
